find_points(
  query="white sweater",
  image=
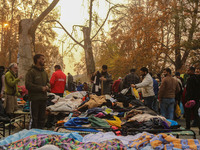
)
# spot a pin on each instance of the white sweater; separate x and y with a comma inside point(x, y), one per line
point(146, 86)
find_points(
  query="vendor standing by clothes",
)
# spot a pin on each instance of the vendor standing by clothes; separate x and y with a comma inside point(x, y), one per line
point(37, 84)
point(11, 89)
point(102, 82)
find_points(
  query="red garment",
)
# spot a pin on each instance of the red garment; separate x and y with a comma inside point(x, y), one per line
point(115, 86)
point(58, 82)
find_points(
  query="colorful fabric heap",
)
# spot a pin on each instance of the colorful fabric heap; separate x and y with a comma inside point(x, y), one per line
point(37, 141)
point(164, 141)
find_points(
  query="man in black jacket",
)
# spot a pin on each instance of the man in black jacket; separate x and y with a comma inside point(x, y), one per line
point(192, 93)
point(131, 78)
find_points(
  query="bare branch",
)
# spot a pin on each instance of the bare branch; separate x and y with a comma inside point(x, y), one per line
point(90, 17)
point(43, 15)
point(106, 19)
point(79, 43)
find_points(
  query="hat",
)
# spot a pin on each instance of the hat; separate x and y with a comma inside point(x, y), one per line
point(190, 104)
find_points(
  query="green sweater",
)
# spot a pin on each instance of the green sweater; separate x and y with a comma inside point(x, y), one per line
point(35, 79)
point(11, 81)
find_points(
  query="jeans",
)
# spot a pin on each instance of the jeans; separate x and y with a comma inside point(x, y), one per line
point(155, 104)
point(148, 101)
point(167, 108)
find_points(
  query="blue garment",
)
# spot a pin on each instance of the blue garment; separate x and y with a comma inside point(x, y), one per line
point(78, 122)
point(173, 123)
point(25, 133)
point(79, 87)
point(155, 87)
point(167, 108)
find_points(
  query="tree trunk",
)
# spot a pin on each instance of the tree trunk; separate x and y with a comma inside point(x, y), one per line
point(178, 63)
point(27, 28)
point(25, 47)
point(89, 59)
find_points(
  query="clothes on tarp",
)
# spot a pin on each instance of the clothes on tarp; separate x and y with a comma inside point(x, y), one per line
point(26, 133)
point(117, 122)
point(101, 136)
point(95, 101)
point(163, 141)
point(76, 95)
point(65, 105)
point(37, 141)
point(97, 122)
point(78, 122)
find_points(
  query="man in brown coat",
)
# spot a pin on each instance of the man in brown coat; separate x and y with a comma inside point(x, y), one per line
point(169, 87)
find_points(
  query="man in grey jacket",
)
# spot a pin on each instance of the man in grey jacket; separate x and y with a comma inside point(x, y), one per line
point(146, 87)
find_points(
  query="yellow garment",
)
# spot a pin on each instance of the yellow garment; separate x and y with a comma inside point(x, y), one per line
point(117, 122)
point(178, 111)
point(135, 93)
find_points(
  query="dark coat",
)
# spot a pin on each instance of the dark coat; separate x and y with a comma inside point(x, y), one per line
point(131, 78)
point(35, 79)
point(192, 88)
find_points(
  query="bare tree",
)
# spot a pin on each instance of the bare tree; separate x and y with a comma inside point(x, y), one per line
point(27, 28)
point(88, 38)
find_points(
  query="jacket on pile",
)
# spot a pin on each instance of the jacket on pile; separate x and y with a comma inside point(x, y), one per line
point(11, 81)
point(58, 82)
point(35, 79)
point(131, 78)
point(168, 88)
point(146, 86)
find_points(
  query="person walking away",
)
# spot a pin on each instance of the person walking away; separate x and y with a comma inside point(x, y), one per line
point(58, 81)
point(146, 87)
point(37, 84)
point(131, 78)
point(192, 93)
point(11, 89)
point(70, 82)
point(168, 88)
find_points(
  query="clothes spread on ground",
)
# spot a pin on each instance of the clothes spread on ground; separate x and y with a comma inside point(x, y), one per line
point(163, 141)
point(79, 95)
point(94, 101)
point(65, 105)
point(37, 141)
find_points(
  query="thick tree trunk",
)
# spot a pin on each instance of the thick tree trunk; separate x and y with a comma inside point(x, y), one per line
point(27, 28)
point(89, 59)
point(25, 47)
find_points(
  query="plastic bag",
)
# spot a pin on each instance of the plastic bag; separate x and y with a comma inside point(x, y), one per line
point(124, 91)
point(135, 93)
point(178, 111)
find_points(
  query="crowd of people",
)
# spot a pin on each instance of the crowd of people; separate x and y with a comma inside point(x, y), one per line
point(161, 93)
